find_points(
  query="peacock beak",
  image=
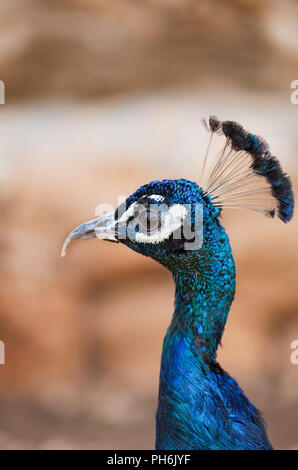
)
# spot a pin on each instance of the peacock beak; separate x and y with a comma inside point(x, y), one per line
point(103, 227)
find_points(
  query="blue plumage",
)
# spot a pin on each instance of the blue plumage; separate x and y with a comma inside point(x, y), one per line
point(200, 406)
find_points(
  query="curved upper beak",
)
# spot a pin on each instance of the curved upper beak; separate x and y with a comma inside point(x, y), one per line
point(103, 227)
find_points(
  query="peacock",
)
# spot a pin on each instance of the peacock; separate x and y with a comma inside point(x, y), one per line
point(177, 223)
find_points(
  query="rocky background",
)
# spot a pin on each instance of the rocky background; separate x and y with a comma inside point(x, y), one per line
point(102, 97)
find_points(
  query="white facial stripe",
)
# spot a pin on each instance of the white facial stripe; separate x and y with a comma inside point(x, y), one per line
point(129, 213)
point(173, 220)
point(157, 197)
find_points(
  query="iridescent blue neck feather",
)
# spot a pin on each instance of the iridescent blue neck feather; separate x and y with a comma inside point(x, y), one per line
point(205, 290)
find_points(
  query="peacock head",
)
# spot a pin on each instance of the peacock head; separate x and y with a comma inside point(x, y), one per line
point(165, 220)
point(176, 222)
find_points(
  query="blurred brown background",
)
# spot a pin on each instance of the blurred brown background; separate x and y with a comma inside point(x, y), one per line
point(101, 97)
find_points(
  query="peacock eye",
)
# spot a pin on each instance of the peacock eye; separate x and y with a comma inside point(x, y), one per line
point(148, 219)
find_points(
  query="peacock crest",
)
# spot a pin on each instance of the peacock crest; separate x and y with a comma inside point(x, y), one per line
point(244, 173)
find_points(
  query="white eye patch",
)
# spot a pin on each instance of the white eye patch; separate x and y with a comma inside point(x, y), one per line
point(173, 220)
point(157, 197)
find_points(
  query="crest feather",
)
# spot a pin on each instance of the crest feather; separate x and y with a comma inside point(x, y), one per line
point(244, 173)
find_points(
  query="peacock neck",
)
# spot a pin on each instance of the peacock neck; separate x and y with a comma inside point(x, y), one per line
point(202, 304)
point(203, 298)
point(201, 309)
point(205, 286)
